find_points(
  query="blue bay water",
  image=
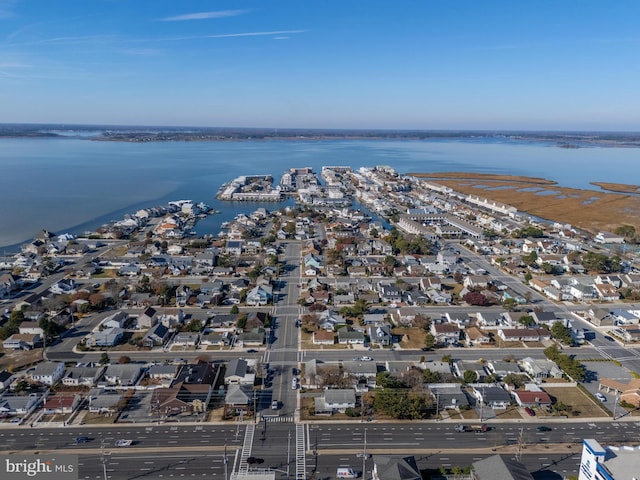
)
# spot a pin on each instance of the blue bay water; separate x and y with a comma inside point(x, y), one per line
point(73, 185)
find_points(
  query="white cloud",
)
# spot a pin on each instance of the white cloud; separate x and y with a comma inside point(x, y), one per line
point(253, 34)
point(204, 15)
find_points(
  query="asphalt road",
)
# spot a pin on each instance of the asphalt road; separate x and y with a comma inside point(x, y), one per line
point(200, 449)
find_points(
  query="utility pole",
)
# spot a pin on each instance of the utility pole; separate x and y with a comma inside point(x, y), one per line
point(104, 461)
point(225, 460)
point(520, 444)
point(288, 452)
point(364, 454)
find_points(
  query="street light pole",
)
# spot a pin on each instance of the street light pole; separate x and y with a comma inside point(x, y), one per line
point(288, 452)
point(225, 460)
point(364, 454)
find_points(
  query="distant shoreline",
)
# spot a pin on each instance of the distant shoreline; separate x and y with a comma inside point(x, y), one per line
point(107, 133)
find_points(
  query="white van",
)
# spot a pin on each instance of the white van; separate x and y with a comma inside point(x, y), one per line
point(347, 473)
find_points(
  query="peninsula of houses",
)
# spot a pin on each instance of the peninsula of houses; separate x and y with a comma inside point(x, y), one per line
point(370, 262)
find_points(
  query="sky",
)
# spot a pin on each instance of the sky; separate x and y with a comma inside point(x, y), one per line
point(394, 64)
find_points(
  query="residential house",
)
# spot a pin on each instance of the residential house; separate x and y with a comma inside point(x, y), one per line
point(582, 292)
point(254, 337)
point(238, 399)
point(108, 337)
point(600, 317)
point(215, 339)
point(475, 336)
point(347, 336)
point(186, 339)
point(445, 333)
point(363, 372)
point(462, 366)
point(18, 404)
point(329, 320)
point(389, 293)
point(82, 376)
point(628, 333)
point(492, 396)
point(22, 341)
point(490, 319)
point(238, 373)
point(380, 335)
point(48, 373)
point(162, 374)
point(606, 292)
point(501, 369)
point(532, 398)
point(104, 402)
point(499, 467)
point(323, 337)
point(148, 318)
point(123, 374)
point(524, 334)
point(5, 380)
point(61, 403)
point(171, 317)
point(64, 286)
point(386, 467)
point(120, 319)
point(449, 396)
point(157, 335)
point(259, 295)
point(476, 281)
point(540, 368)
point(335, 400)
point(30, 328)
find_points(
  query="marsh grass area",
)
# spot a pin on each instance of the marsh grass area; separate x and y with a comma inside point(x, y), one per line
point(590, 210)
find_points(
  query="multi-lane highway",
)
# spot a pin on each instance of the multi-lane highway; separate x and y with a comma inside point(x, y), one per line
point(199, 449)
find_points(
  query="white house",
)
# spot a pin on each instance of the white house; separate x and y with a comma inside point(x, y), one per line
point(48, 373)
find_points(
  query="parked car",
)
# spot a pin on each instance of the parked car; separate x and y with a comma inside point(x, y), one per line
point(530, 411)
point(601, 397)
point(252, 350)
